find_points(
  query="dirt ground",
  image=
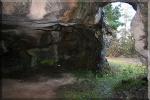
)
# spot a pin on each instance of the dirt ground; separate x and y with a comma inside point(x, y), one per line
point(44, 87)
point(129, 60)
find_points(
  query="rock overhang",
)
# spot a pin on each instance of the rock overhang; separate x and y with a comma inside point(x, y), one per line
point(59, 16)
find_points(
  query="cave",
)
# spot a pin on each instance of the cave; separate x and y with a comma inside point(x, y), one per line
point(66, 35)
point(71, 31)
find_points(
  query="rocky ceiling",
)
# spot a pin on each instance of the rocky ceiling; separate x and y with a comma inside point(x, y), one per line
point(63, 30)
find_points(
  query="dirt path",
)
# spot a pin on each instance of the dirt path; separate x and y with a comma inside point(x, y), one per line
point(128, 60)
point(43, 88)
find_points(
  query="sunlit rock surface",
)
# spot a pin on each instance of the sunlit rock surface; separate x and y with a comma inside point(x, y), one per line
point(49, 12)
point(139, 29)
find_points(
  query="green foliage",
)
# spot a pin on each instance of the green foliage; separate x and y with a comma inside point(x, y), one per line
point(129, 84)
point(112, 16)
point(107, 69)
point(128, 70)
point(123, 46)
point(103, 88)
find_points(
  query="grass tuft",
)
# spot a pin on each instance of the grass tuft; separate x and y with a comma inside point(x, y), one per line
point(122, 75)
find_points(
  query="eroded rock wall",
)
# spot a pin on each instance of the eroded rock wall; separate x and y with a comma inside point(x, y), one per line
point(53, 33)
point(139, 29)
point(49, 11)
point(72, 47)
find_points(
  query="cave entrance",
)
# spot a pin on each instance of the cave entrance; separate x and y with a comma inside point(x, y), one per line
point(128, 39)
point(32, 55)
point(119, 16)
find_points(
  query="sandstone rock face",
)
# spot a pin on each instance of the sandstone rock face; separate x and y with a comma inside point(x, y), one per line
point(139, 29)
point(56, 32)
point(49, 11)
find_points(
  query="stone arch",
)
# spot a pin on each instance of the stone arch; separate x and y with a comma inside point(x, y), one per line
point(67, 14)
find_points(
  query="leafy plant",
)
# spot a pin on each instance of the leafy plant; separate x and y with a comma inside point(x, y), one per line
point(112, 16)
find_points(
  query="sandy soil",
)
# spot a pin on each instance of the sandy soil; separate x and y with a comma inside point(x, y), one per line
point(129, 60)
point(43, 88)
